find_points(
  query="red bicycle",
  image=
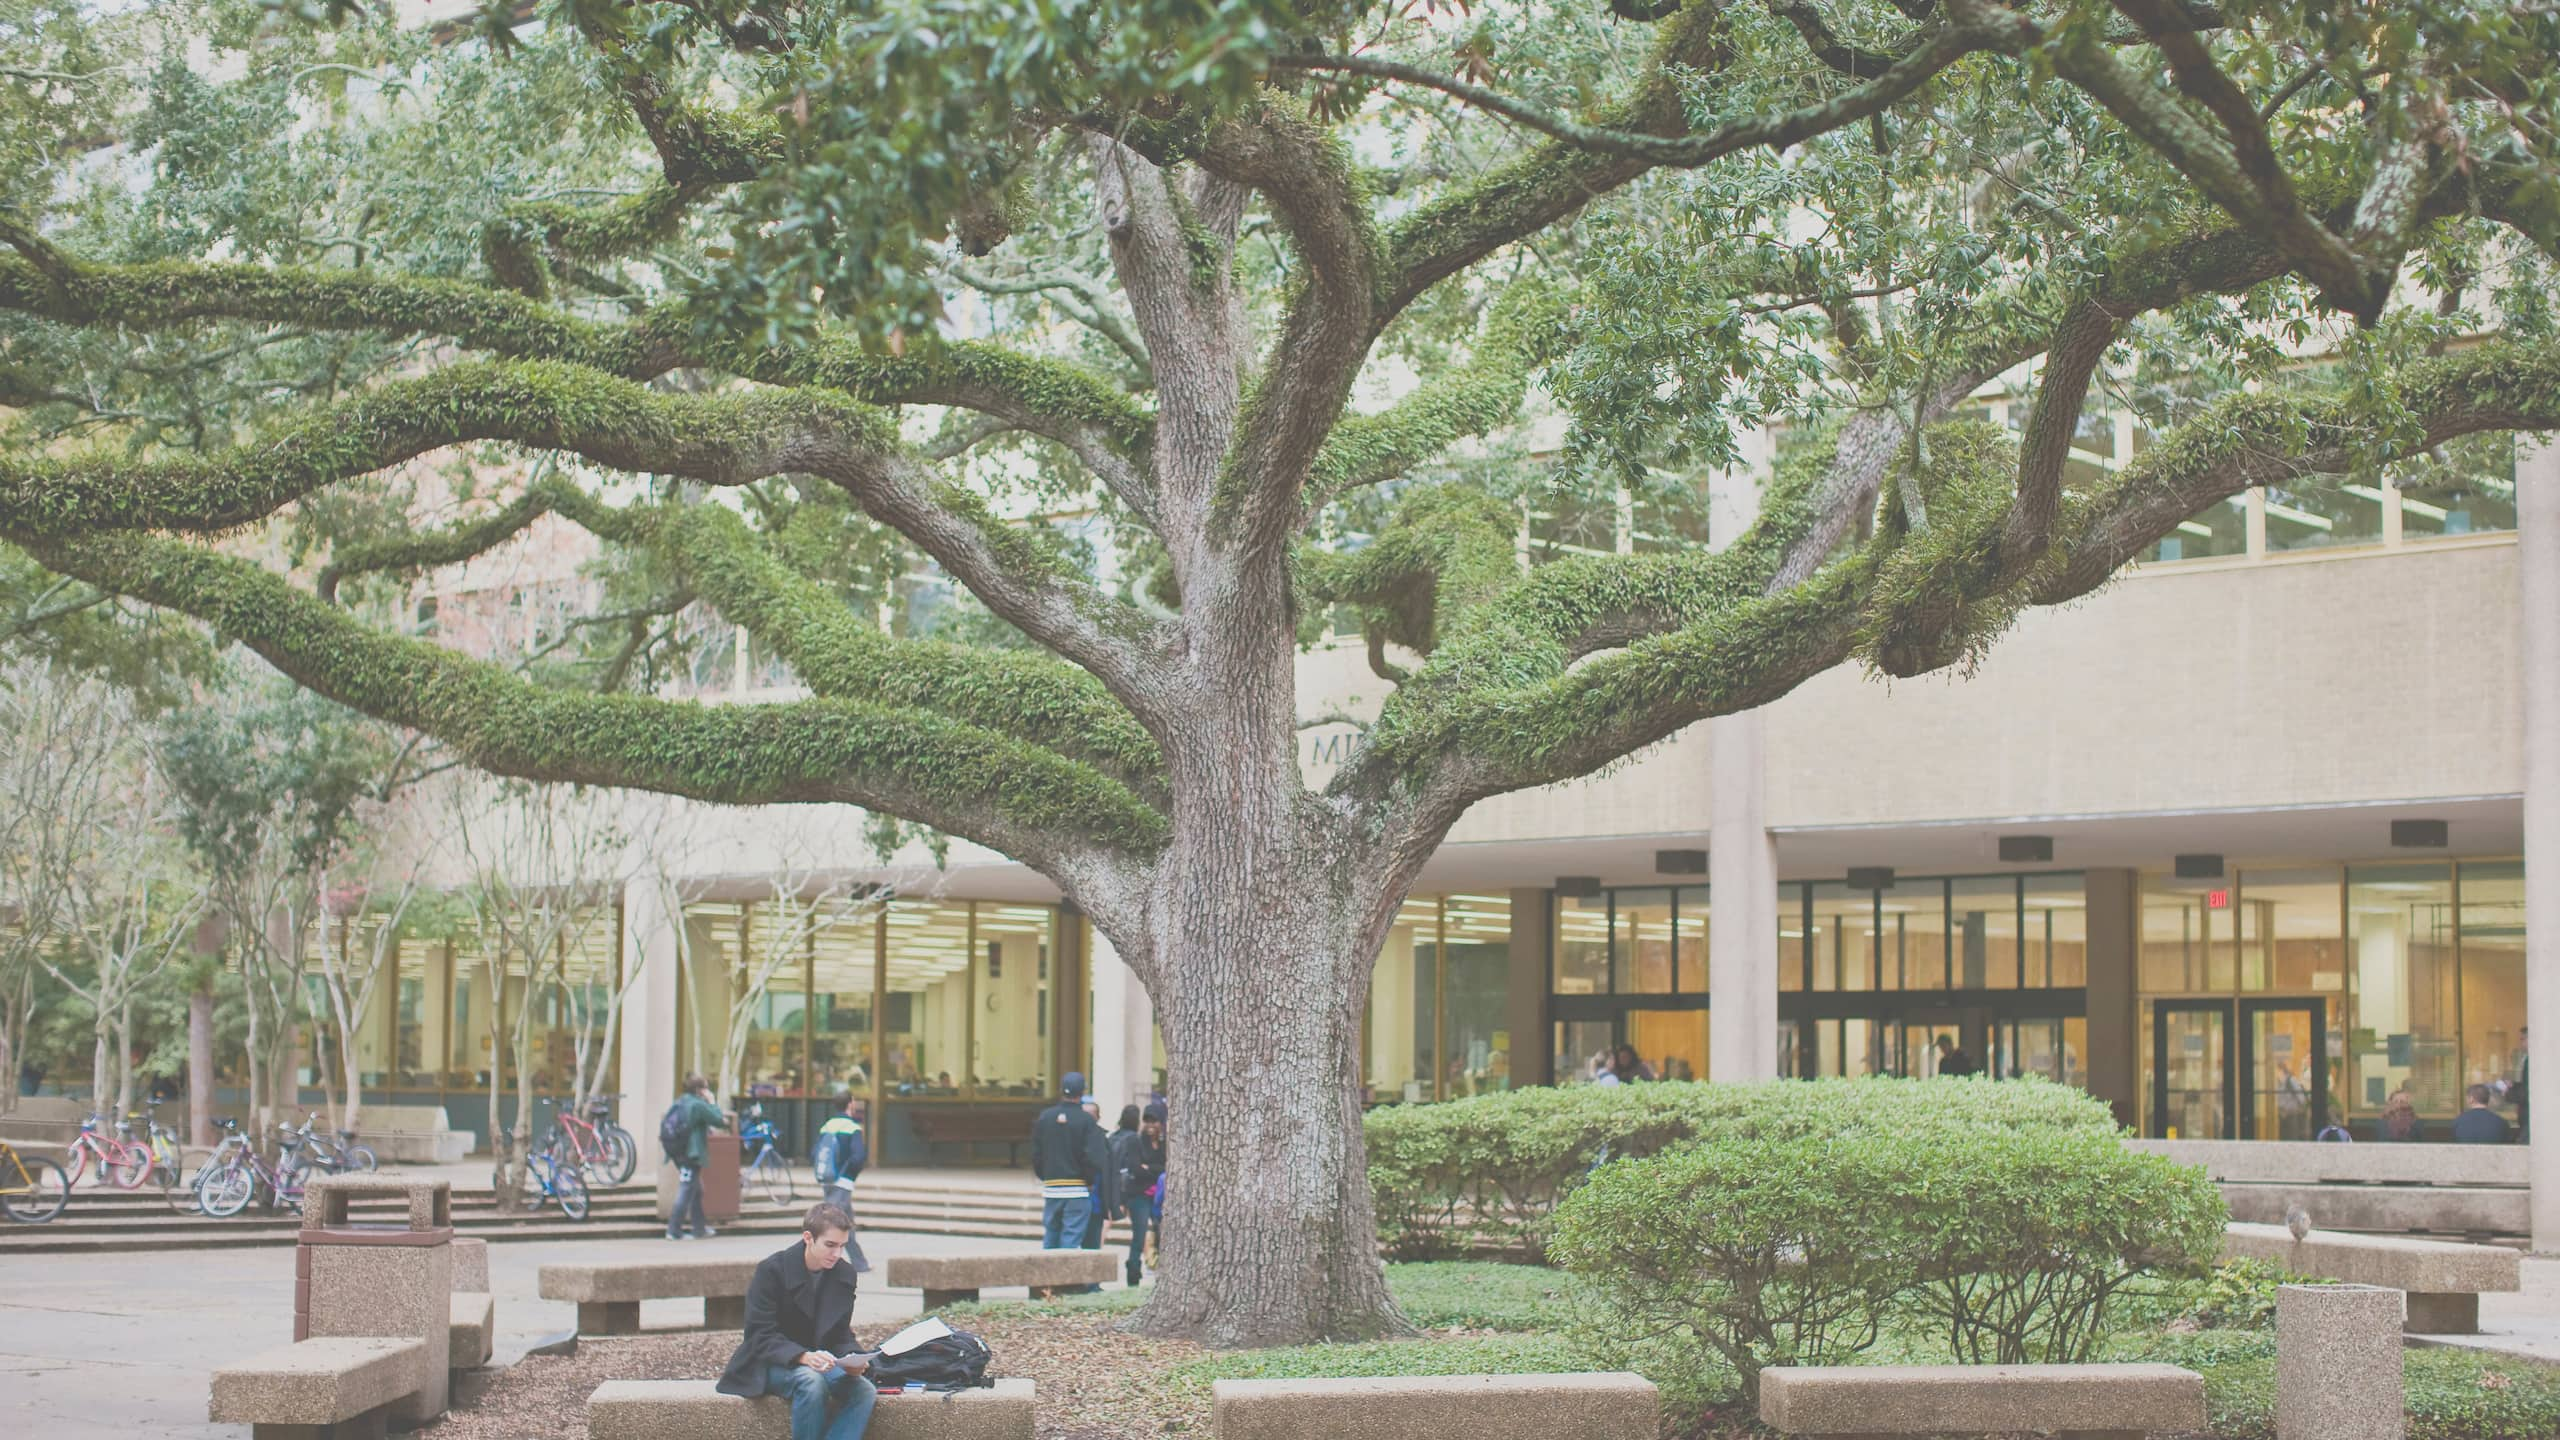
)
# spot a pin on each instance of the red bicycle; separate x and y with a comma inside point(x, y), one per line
point(121, 1160)
point(592, 1142)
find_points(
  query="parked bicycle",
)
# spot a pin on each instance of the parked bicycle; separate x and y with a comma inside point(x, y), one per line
point(168, 1158)
point(341, 1154)
point(597, 1144)
point(121, 1160)
point(767, 1168)
point(237, 1173)
point(547, 1177)
point(32, 1188)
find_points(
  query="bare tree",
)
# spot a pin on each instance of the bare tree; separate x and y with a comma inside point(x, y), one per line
point(53, 751)
point(363, 945)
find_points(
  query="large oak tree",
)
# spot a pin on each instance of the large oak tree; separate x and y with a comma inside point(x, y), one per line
point(1268, 284)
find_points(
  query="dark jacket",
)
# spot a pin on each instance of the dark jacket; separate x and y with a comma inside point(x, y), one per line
point(1136, 1164)
point(701, 1118)
point(790, 1312)
point(2480, 1127)
point(1066, 1144)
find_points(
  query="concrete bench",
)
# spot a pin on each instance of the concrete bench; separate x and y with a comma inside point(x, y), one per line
point(1592, 1407)
point(474, 1328)
point(694, 1409)
point(608, 1293)
point(2088, 1402)
point(2444, 1281)
point(951, 1279)
point(335, 1389)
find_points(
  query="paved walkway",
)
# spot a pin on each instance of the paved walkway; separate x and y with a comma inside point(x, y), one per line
point(97, 1346)
point(2526, 1324)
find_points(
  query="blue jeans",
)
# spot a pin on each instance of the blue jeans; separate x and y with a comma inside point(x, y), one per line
point(813, 1393)
point(1062, 1223)
point(1093, 1225)
point(1141, 1210)
point(687, 1212)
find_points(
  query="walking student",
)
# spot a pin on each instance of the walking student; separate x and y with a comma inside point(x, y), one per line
point(685, 1135)
point(799, 1336)
point(1067, 1153)
point(842, 1150)
point(1137, 1163)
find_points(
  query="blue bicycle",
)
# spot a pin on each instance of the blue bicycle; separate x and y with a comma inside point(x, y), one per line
point(760, 1158)
point(546, 1177)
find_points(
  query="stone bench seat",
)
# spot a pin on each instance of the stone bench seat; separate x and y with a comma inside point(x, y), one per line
point(474, 1328)
point(334, 1389)
point(696, 1410)
point(1606, 1406)
point(2085, 1401)
point(2444, 1281)
point(608, 1293)
point(952, 1279)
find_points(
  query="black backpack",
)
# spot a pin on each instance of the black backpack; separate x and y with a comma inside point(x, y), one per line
point(957, 1361)
point(673, 1132)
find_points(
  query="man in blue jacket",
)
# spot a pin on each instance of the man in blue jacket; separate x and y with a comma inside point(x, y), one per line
point(799, 1334)
point(841, 1152)
point(1067, 1153)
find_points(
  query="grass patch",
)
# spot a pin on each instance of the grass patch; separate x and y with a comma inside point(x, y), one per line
point(1452, 1295)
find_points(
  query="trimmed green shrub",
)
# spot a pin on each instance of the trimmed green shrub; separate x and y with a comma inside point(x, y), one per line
point(1780, 1244)
point(1484, 1174)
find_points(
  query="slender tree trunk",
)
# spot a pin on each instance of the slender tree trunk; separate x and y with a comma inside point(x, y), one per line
point(200, 1065)
point(101, 1079)
point(124, 1056)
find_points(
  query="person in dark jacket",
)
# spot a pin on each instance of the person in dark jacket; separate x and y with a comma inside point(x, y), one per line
point(1068, 1154)
point(2478, 1124)
point(700, 1118)
point(1137, 1163)
point(842, 1150)
point(799, 1334)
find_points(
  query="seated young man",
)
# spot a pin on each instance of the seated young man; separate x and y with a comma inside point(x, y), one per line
point(799, 1337)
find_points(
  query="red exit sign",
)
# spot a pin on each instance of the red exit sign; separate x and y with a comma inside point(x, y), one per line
point(2217, 899)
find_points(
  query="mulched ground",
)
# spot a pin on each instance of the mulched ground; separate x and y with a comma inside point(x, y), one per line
point(1093, 1381)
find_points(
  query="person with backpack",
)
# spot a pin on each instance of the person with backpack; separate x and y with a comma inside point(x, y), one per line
point(798, 1342)
point(1106, 1188)
point(1137, 1164)
point(841, 1153)
point(684, 1134)
point(1068, 1154)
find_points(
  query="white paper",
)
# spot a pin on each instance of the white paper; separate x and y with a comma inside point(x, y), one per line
point(913, 1336)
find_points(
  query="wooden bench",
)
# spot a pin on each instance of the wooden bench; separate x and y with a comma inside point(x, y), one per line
point(333, 1389)
point(970, 1125)
point(1607, 1406)
point(956, 1279)
point(608, 1293)
point(696, 1410)
point(2444, 1281)
point(2080, 1402)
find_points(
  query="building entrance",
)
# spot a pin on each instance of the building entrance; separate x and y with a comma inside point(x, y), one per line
point(1669, 1039)
point(2255, 1069)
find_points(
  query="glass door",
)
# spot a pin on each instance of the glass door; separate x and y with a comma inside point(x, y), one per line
point(2284, 1057)
point(2192, 1066)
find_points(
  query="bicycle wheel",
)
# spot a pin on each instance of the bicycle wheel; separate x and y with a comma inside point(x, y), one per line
point(176, 1189)
point(621, 1156)
point(129, 1168)
point(570, 1188)
point(361, 1157)
point(48, 1189)
point(773, 1178)
point(223, 1191)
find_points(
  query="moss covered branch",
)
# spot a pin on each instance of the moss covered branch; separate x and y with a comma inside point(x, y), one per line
point(1028, 802)
point(1467, 400)
point(455, 544)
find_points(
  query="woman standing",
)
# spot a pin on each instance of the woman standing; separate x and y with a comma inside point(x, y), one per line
point(1137, 1163)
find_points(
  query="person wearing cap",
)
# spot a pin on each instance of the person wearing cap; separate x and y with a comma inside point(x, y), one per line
point(1067, 1153)
point(1137, 1160)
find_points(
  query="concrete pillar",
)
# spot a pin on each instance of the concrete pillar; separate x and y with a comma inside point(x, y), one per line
point(2338, 1363)
point(1124, 1019)
point(2114, 1061)
point(1533, 1031)
point(391, 1281)
point(650, 1070)
point(1742, 857)
point(1742, 927)
point(2538, 671)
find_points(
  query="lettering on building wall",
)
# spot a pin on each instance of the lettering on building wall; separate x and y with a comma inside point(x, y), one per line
point(1338, 749)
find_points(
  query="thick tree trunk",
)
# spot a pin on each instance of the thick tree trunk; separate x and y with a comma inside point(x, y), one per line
point(200, 1065)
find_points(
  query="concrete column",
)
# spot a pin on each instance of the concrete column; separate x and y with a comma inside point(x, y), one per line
point(1742, 926)
point(650, 1070)
point(1124, 1019)
point(1742, 858)
point(1533, 1031)
point(2338, 1363)
point(2538, 671)
point(2114, 1061)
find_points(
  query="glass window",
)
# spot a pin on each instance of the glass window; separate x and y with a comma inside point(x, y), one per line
point(1844, 937)
point(2461, 487)
point(1476, 994)
point(1582, 945)
point(1795, 939)
point(2221, 528)
point(1983, 918)
point(1582, 1050)
point(2400, 928)
point(840, 1052)
point(1671, 1043)
point(925, 1025)
point(1010, 1047)
point(2288, 932)
point(2323, 510)
point(2186, 936)
point(1690, 923)
point(2492, 970)
point(1643, 953)
point(2057, 931)
point(1403, 1010)
point(1914, 937)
